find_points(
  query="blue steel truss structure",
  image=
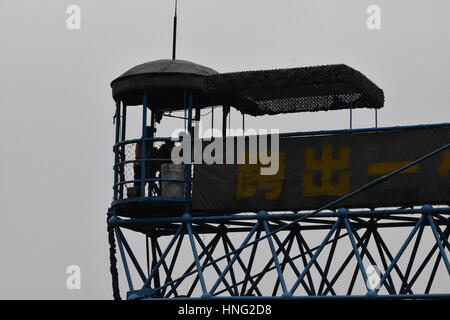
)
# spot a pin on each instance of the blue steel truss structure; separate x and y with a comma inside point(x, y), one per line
point(320, 254)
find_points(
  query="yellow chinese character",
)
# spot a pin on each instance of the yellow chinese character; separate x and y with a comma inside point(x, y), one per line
point(444, 167)
point(326, 165)
point(381, 168)
point(249, 180)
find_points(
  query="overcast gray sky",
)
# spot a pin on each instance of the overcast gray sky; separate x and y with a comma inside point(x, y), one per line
point(56, 124)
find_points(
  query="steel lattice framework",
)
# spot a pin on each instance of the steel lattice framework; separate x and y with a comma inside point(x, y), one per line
point(317, 254)
point(292, 267)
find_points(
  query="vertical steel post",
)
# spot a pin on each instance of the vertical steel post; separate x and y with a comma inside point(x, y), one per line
point(225, 114)
point(212, 122)
point(188, 166)
point(116, 150)
point(143, 144)
point(122, 149)
point(124, 121)
point(147, 255)
point(376, 118)
point(351, 114)
point(225, 111)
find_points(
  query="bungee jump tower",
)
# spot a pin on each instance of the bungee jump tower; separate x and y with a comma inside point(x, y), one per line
point(354, 213)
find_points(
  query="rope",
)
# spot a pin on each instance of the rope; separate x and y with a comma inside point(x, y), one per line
point(113, 260)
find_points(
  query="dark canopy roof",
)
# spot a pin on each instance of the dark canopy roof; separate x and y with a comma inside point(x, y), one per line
point(331, 87)
point(164, 80)
point(318, 88)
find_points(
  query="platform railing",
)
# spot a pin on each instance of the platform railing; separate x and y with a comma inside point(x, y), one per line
point(123, 176)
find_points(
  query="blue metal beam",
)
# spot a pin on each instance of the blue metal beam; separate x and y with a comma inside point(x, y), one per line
point(439, 242)
point(400, 252)
point(275, 258)
point(314, 258)
point(236, 254)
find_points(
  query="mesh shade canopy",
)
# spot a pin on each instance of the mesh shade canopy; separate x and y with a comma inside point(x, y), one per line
point(319, 88)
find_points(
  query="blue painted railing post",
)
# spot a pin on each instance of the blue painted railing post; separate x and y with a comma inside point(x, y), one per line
point(188, 166)
point(122, 150)
point(143, 144)
point(116, 151)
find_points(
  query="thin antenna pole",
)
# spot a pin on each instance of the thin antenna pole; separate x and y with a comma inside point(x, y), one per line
point(174, 43)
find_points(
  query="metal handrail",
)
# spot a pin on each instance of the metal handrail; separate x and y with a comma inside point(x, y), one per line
point(140, 140)
point(117, 149)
